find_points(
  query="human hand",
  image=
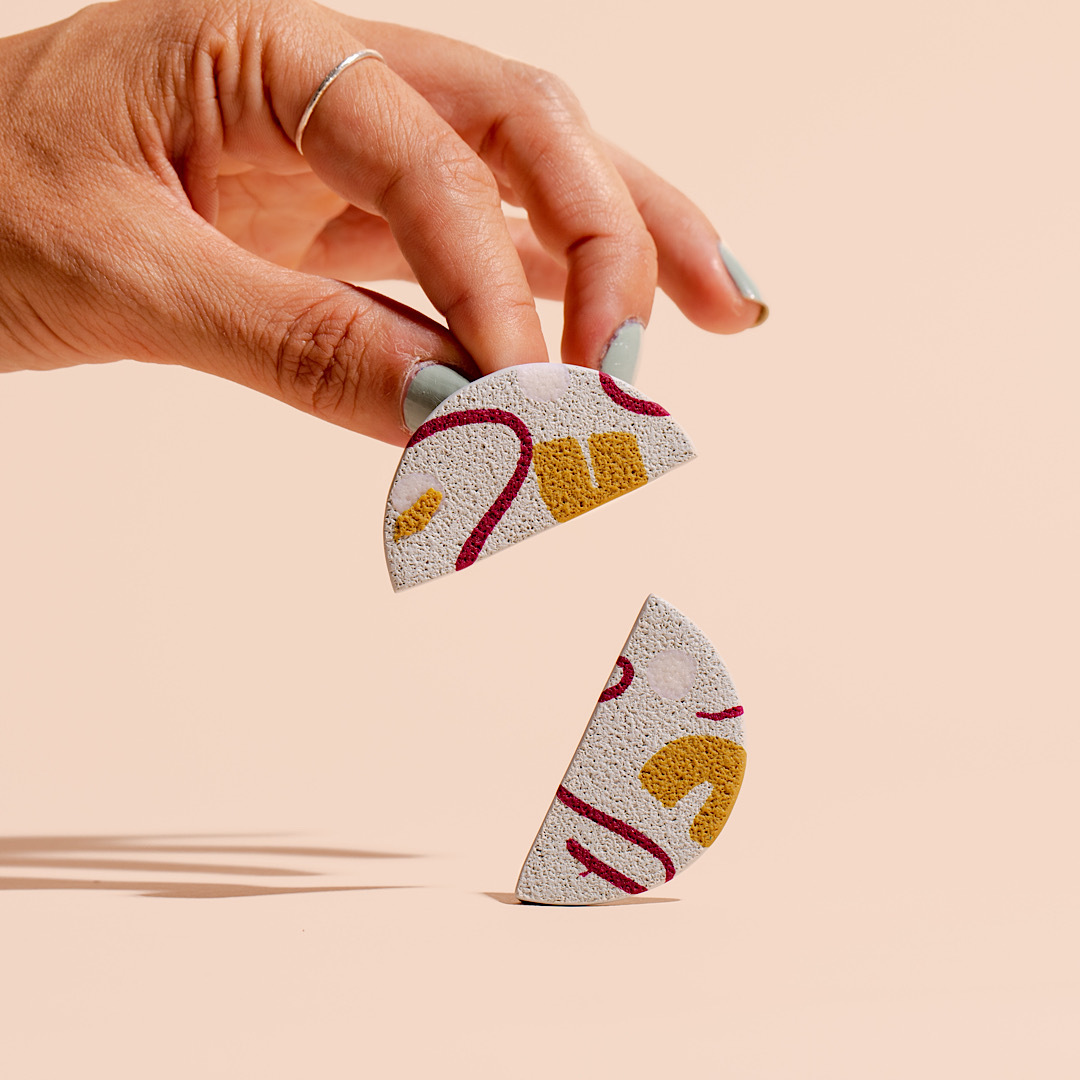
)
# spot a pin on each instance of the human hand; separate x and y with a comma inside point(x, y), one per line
point(154, 206)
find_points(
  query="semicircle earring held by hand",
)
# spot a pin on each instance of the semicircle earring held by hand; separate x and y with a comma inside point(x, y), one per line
point(517, 452)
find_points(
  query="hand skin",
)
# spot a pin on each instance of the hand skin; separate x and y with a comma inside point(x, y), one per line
point(153, 206)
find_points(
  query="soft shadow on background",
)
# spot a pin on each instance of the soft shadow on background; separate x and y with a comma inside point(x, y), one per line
point(94, 854)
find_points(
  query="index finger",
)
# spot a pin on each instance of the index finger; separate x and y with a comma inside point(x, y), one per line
point(531, 131)
point(373, 139)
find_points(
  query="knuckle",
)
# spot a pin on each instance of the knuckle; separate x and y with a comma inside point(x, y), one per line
point(437, 165)
point(461, 171)
point(542, 89)
point(616, 254)
point(443, 173)
point(647, 253)
point(320, 358)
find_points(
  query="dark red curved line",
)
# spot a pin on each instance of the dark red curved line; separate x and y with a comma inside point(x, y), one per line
point(627, 402)
point(621, 828)
point(623, 684)
point(472, 547)
point(727, 714)
point(601, 869)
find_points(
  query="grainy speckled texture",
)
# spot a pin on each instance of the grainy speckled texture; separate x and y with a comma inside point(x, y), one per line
point(472, 464)
point(629, 730)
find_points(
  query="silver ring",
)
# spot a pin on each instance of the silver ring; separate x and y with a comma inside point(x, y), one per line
point(348, 62)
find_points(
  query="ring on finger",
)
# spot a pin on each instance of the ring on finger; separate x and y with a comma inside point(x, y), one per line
point(354, 58)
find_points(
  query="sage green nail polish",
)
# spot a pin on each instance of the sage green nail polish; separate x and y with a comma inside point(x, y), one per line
point(430, 387)
point(743, 281)
point(623, 351)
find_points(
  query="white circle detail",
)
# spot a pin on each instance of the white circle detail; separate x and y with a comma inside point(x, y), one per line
point(542, 382)
point(671, 673)
point(409, 488)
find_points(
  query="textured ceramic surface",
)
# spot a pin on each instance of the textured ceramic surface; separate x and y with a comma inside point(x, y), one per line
point(655, 775)
point(517, 452)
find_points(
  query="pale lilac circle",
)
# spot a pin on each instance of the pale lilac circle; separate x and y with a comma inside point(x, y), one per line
point(542, 382)
point(671, 673)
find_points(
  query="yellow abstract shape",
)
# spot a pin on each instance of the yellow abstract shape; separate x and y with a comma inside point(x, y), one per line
point(563, 474)
point(677, 768)
point(418, 515)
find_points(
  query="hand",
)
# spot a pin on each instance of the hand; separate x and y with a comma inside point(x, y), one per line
point(154, 206)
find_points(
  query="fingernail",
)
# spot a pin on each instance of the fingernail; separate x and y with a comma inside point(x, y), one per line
point(430, 387)
point(623, 351)
point(743, 281)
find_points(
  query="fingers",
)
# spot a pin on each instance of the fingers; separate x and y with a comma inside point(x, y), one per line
point(378, 144)
point(404, 142)
point(357, 246)
point(329, 349)
point(695, 270)
point(532, 133)
point(579, 208)
point(546, 276)
point(273, 215)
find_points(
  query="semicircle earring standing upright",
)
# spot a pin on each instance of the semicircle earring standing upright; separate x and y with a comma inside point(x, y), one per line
point(654, 777)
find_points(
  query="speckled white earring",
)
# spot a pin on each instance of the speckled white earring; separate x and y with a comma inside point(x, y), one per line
point(655, 775)
point(517, 452)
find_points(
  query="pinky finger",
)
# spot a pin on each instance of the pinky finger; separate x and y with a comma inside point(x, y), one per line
point(696, 269)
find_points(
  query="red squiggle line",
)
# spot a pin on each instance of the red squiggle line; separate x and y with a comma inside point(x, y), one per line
point(727, 714)
point(593, 865)
point(623, 684)
point(472, 547)
point(629, 403)
point(620, 828)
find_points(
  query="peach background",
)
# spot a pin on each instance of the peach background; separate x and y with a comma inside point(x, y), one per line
point(215, 708)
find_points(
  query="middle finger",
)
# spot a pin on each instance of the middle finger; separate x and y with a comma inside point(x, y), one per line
point(531, 131)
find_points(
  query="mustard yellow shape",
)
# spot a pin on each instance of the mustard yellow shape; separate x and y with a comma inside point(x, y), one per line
point(677, 768)
point(563, 474)
point(417, 516)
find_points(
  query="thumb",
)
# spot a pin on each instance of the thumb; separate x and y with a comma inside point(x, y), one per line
point(336, 351)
